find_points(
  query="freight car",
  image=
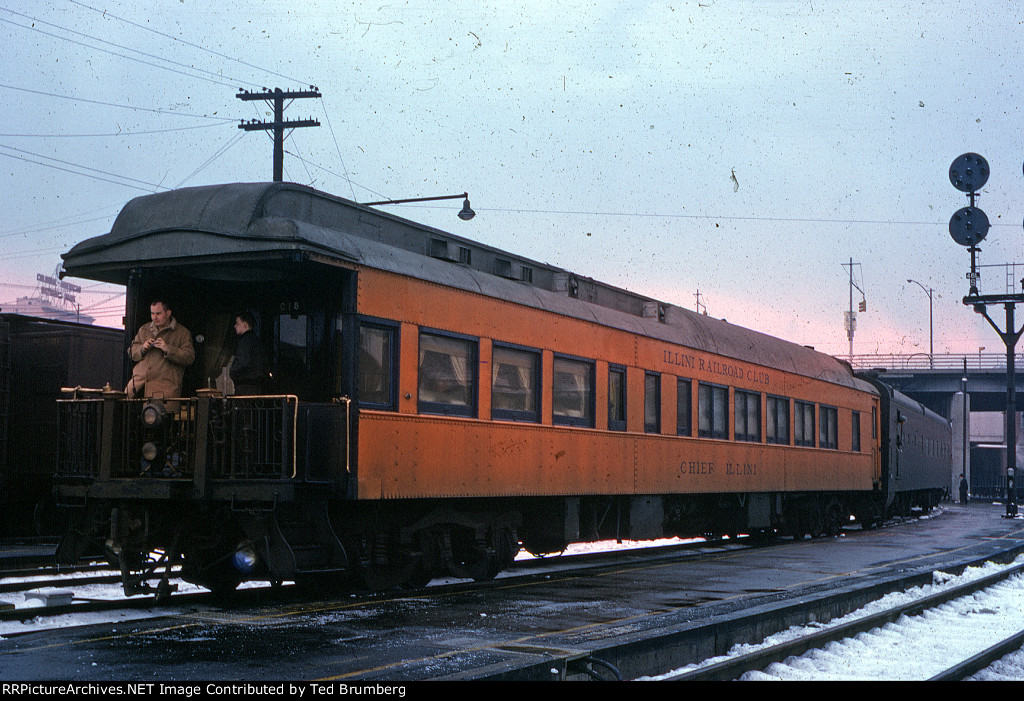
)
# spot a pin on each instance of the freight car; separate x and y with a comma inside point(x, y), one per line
point(38, 357)
point(436, 404)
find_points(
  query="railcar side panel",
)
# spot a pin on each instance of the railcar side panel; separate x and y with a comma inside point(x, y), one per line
point(408, 454)
point(436, 457)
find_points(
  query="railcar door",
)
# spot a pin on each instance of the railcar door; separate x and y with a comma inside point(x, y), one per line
point(300, 313)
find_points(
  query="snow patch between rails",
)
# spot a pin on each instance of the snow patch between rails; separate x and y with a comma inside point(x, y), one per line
point(905, 649)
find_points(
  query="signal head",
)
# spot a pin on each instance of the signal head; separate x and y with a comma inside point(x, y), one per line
point(969, 172)
point(968, 226)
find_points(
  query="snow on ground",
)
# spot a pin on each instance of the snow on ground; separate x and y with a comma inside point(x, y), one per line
point(912, 648)
point(86, 592)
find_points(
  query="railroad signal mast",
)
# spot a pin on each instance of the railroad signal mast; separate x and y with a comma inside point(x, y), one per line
point(968, 227)
point(276, 98)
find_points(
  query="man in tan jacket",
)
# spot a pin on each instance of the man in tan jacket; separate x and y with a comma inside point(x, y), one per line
point(162, 349)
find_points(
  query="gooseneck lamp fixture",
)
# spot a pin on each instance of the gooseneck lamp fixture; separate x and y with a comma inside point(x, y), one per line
point(465, 215)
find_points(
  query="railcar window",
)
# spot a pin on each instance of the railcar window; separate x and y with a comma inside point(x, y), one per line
point(515, 384)
point(377, 367)
point(652, 403)
point(712, 411)
point(684, 424)
point(778, 420)
point(573, 398)
point(856, 432)
point(828, 426)
point(447, 375)
point(292, 340)
point(748, 416)
point(617, 398)
point(803, 424)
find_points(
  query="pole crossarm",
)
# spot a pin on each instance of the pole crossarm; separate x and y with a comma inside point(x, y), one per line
point(245, 95)
point(980, 302)
point(288, 124)
point(277, 98)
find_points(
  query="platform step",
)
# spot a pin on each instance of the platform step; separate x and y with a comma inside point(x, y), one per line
point(309, 541)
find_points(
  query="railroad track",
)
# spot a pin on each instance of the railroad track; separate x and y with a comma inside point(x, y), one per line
point(789, 653)
point(539, 567)
point(24, 579)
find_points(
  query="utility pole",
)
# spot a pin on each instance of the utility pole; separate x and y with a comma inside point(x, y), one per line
point(851, 316)
point(276, 99)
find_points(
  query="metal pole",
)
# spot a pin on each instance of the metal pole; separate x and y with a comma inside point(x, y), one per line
point(1011, 411)
point(850, 318)
point(968, 227)
point(966, 427)
point(931, 332)
point(931, 323)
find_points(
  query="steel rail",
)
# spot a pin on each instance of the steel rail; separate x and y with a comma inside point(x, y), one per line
point(983, 659)
point(735, 667)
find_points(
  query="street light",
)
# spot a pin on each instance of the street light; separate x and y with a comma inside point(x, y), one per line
point(465, 215)
point(931, 325)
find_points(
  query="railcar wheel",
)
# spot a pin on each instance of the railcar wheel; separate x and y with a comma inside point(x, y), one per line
point(217, 575)
point(321, 583)
point(380, 564)
point(833, 520)
point(417, 577)
point(48, 520)
point(384, 577)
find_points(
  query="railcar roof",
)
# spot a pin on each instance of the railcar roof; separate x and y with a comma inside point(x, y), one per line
point(247, 222)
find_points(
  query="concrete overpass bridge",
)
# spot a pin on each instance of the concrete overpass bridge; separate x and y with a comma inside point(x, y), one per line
point(934, 380)
point(939, 382)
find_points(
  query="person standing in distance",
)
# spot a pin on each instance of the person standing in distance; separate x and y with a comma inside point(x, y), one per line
point(162, 349)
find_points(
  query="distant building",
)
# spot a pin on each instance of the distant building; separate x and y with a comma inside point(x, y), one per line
point(52, 299)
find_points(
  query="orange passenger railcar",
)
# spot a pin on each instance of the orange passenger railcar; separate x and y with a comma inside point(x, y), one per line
point(437, 404)
point(434, 455)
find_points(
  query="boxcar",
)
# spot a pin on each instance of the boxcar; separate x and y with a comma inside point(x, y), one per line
point(37, 358)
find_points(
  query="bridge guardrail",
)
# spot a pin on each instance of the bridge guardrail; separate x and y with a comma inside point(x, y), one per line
point(939, 361)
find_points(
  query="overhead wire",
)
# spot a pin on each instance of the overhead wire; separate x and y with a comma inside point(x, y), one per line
point(105, 13)
point(193, 74)
point(145, 132)
point(220, 152)
point(247, 65)
point(114, 104)
point(128, 53)
point(151, 187)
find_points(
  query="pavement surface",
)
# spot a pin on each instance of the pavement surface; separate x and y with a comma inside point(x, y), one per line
point(466, 632)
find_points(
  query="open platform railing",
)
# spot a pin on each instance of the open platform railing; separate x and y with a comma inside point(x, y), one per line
point(244, 438)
